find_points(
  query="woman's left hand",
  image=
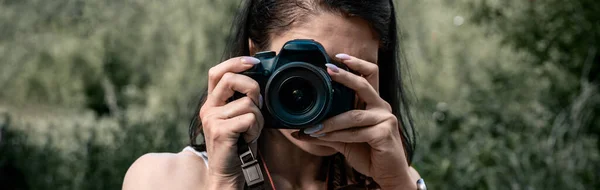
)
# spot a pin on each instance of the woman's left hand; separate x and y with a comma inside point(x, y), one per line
point(369, 139)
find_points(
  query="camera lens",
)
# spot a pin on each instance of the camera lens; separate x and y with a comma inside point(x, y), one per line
point(297, 95)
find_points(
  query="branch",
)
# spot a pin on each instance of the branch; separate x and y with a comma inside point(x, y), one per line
point(110, 97)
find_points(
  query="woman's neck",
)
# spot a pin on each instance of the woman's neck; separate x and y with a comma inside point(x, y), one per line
point(289, 166)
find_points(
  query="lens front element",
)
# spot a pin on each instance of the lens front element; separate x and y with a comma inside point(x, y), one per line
point(298, 94)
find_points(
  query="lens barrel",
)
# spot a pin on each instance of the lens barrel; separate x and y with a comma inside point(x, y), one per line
point(299, 94)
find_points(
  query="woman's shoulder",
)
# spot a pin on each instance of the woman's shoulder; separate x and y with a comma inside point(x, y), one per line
point(183, 170)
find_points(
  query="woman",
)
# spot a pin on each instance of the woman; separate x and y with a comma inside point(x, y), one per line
point(369, 147)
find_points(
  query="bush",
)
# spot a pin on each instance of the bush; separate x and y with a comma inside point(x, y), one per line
point(84, 153)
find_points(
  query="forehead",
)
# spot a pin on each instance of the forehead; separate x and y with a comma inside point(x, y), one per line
point(337, 34)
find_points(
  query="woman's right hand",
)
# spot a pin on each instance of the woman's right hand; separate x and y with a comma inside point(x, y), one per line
point(225, 122)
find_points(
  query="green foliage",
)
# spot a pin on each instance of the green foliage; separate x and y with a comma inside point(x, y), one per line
point(553, 32)
point(505, 92)
point(82, 54)
point(84, 152)
point(502, 116)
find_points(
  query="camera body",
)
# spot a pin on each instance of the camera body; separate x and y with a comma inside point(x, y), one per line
point(298, 92)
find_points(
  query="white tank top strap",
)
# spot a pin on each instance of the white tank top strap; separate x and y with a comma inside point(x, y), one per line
point(202, 154)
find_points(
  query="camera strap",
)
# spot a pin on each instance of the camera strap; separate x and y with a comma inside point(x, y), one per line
point(250, 166)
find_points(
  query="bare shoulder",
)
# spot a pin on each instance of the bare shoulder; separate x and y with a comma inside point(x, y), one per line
point(182, 170)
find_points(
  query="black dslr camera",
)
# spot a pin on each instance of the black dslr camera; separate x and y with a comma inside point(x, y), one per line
point(298, 92)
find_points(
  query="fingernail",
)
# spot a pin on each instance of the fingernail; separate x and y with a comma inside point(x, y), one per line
point(260, 101)
point(318, 135)
point(250, 60)
point(343, 56)
point(313, 129)
point(333, 68)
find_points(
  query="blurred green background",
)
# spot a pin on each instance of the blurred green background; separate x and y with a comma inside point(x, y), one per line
point(505, 92)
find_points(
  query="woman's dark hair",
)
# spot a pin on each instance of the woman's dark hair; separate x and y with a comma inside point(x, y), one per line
point(259, 20)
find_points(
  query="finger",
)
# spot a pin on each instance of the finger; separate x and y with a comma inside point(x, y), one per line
point(368, 70)
point(231, 83)
point(360, 85)
point(245, 124)
point(350, 119)
point(374, 135)
point(240, 107)
point(233, 65)
point(306, 138)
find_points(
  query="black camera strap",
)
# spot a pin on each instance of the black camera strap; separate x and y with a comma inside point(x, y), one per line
point(250, 166)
